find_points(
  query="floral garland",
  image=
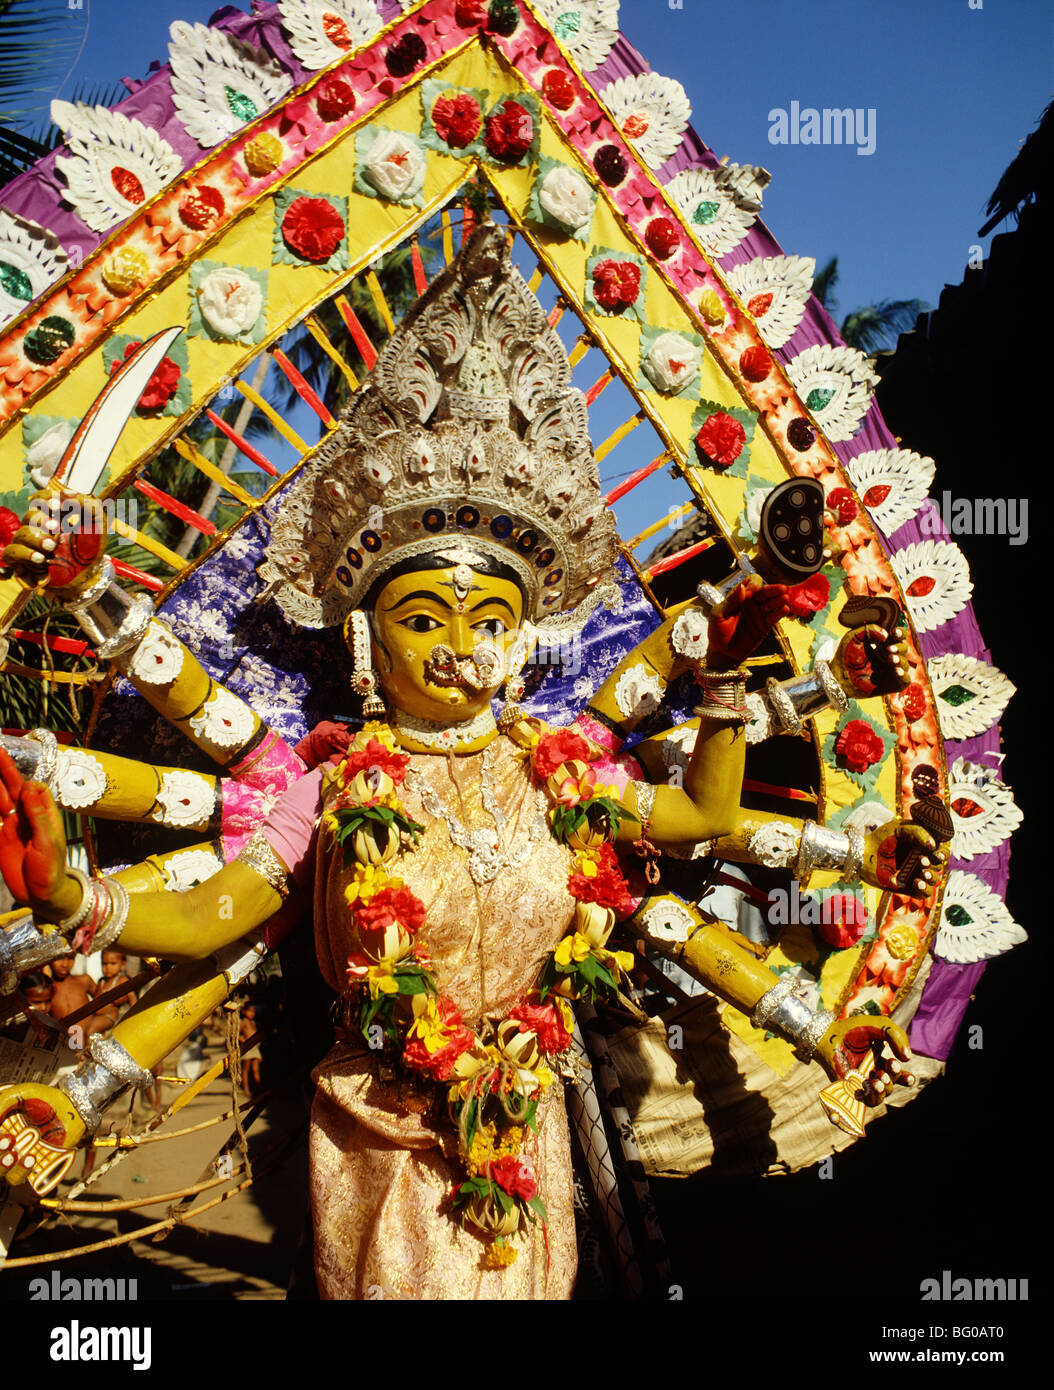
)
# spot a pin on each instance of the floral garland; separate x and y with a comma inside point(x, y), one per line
point(491, 1081)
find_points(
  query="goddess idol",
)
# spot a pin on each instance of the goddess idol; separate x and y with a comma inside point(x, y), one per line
point(466, 870)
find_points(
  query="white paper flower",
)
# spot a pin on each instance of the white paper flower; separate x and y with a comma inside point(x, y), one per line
point(158, 659)
point(30, 259)
point(970, 695)
point(395, 166)
point(184, 799)
point(775, 845)
point(868, 816)
point(672, 363)
point(421, 457)
point(42, 457)
point(638, 692)
point(587, 28)
point(224, 721)
point(892, 484)
point(935, 578)
point(652, 112)
point(775, 291)
point(566, 197)
point(691, 634)
point(983, 809)
point(668, 921)
point(975, 922)
point(763, 722)
point(80, 778)
point(189, 867)
point(230, 301)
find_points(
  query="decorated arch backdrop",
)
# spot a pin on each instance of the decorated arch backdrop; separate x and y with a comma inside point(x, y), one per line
point(265, 169)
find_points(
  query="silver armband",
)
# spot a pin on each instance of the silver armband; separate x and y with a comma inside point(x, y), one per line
point(781, 1011)
point(23, 946)
point(112, 619)
point(258, 855)
point(35, 755)
point(795, 700)
point(95, 1083)
point(237, 961)
point(823, 848)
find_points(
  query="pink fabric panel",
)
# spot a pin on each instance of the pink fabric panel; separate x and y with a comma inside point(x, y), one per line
point(290, 828)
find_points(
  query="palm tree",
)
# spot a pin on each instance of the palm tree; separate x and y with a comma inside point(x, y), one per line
point(872, 328)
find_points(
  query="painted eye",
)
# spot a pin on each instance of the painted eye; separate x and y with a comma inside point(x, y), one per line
point(493, 627)
point(421, 622)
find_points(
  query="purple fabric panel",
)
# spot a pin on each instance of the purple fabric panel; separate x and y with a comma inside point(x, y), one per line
point(944, 1002)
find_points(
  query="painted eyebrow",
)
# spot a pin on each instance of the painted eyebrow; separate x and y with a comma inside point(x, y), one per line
point(419, 594)
point(484, 602)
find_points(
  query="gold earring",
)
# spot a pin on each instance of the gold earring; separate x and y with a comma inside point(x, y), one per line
point(363, 676)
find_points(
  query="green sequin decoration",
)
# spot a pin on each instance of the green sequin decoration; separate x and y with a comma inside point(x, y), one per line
point(49, 340)
point(15, 282)
point(816, 400)
point(706, 213)
point(958, 916)
point(568, 24)
point(958, 694)
point(241, 106)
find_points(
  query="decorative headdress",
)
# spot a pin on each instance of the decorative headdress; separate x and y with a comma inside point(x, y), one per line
point(468, 435)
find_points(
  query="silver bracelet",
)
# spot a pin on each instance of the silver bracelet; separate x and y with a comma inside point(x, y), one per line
point(23, 946)
point(820, 848)
point(88, 1089)
point(119, 1062)
point(258, 855)
point(69, 924)
point(96, 1082)
point(110, 929)
point(781, 1011)
point(854, 860)
point(113, 620)
point(49, 757)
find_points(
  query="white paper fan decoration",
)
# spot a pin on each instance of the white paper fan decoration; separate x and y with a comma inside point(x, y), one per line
point(983, 810)
point(219, 83)
point(775, 291)
point(30, 260)
point(835, 384)
point(116, 163)
point(975, 923)
point(321, 31)
point(721, 205)
point(969, 694)
point(586, 28)
point(936, 581)
point(652, 112)
point(892, 483)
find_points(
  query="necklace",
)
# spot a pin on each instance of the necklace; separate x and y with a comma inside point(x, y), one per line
point(487, 855)
point(446, 737)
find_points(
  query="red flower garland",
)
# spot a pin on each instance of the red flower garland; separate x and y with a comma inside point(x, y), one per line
point(546, 1023)
point(607, 887)
point(556, 748)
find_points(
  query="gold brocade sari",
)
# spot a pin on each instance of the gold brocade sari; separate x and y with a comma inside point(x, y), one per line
point(381, 1172)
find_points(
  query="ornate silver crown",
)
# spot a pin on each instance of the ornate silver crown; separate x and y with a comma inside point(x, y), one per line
point(468, 433)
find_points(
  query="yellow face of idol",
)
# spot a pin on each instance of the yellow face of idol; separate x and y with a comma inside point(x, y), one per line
point(458, 609)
